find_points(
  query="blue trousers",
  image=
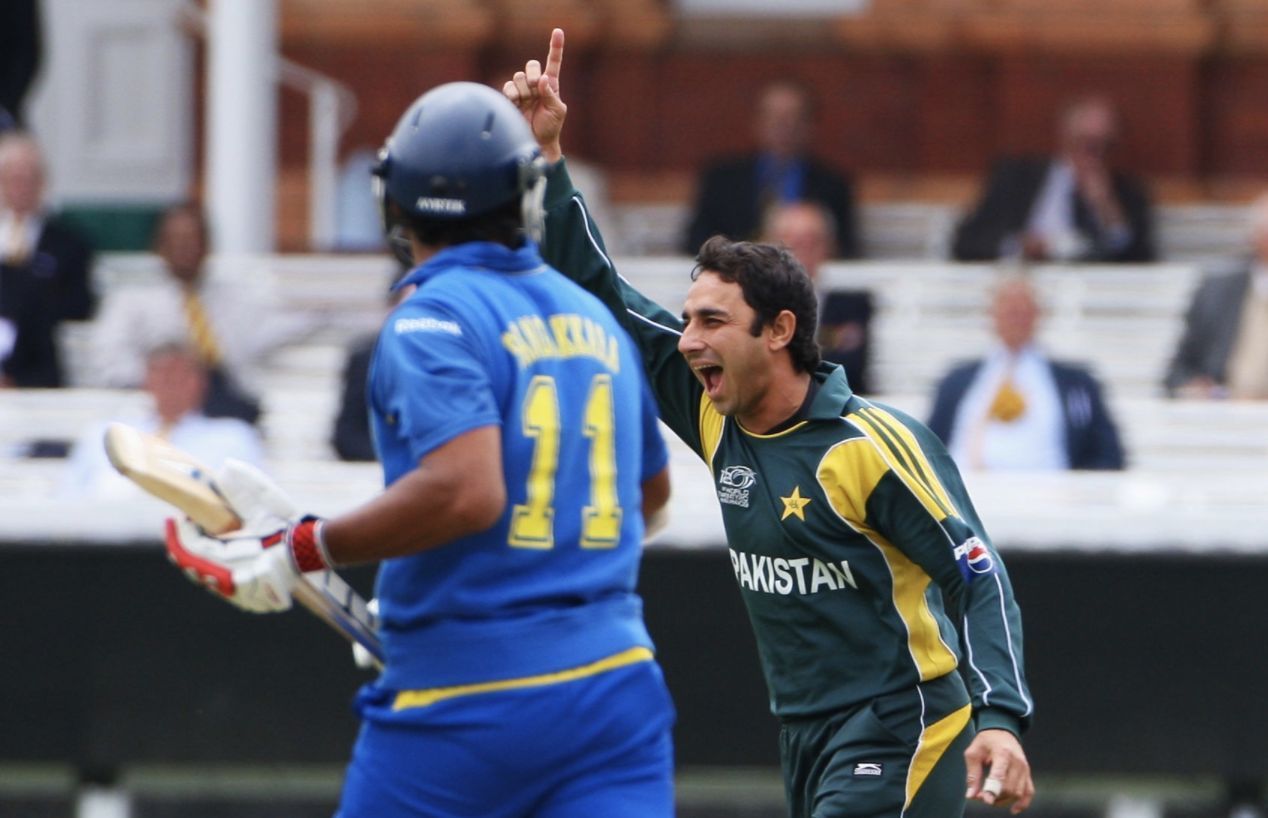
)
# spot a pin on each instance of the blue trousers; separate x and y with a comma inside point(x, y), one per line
point(599, 745)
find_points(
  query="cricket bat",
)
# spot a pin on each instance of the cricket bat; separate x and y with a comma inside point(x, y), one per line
point(175, 477)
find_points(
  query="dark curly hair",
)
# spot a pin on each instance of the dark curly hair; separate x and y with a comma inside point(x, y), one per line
point(771, 281)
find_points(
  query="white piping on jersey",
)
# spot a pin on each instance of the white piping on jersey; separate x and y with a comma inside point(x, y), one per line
point(1008, 640)
point(968, 644)
point(585, 221)
point(912, 764)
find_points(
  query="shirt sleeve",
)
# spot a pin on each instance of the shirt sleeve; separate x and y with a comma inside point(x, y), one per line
point(574, 246)
point(430, 381)
point(919, 506)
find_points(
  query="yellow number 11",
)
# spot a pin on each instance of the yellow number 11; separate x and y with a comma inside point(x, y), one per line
point(533, 521)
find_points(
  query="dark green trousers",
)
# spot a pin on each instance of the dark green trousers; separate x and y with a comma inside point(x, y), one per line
point(898, 756)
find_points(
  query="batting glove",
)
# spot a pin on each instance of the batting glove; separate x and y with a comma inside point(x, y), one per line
point(255, 573)
point(258, 501)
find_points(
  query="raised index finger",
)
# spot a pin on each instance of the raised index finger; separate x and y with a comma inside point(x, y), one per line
point(556, 56)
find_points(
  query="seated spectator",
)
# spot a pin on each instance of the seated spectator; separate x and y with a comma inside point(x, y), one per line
point(1224, 350)
point(1070, 207)
point(177, 380)
point(733, 193)
point(232, 322)
point(45, 270)
point(1016, 408)
point(351, 436)
point(806, 229)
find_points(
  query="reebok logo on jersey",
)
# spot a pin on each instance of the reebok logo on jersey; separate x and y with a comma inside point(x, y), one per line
point(734, 483)
point(436, 204)
point(868, 768)
point(404, 325)
point(974, 555)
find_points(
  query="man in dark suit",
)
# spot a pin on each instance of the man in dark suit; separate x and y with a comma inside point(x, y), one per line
point(1017, 409)
point(20, 47)
point(1071, 207)
point(45, 270)
point(1224, 350)
point(733, 193)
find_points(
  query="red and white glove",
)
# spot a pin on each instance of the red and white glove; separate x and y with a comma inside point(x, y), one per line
point(255, 573)
point(248, 567)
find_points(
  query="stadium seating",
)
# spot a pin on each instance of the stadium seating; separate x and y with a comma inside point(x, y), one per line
point(1192, 459)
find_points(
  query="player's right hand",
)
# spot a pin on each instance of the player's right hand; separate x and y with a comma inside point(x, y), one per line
point(535, 91)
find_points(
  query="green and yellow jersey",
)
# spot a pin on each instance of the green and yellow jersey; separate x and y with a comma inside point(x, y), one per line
point(862, 563)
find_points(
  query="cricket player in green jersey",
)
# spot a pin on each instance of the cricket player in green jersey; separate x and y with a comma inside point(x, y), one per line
point(885, 622)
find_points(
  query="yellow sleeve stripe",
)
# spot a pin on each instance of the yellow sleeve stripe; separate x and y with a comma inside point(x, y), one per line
point(931, 654)
point(407, 699)
point(934, 741)
point(912, 469)
point(711, 423)
point(848, 474)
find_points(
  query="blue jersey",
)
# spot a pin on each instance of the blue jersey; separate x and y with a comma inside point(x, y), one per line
point(493, 336)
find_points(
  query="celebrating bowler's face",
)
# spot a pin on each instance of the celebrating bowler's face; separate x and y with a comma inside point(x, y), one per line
point(731, 362)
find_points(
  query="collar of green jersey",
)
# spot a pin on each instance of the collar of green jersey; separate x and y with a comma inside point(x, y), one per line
point(831, 393)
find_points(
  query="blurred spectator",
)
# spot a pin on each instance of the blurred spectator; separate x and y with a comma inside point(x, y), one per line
point(45, 270)
point(1071, 207)
point(351, 435)
point(177, 380)
point(733, 193)
point(1018, 409)
point(20, 46)
point(844, 334)
point(1224, 350)
point(233, 322)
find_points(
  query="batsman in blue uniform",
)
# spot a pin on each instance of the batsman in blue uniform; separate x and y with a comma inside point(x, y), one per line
point(521, 454)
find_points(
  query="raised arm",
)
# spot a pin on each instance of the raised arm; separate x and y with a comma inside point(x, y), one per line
point(574, 246)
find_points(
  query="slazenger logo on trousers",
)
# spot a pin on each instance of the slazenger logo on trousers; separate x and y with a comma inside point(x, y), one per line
point(776, 575)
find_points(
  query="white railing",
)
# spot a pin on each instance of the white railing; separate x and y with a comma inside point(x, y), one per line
point(332, 106)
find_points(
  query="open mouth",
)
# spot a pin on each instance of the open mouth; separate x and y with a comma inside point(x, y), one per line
point(711, 377)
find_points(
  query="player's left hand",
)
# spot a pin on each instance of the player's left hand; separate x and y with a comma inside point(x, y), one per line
point(997, 755)
point(255, 573)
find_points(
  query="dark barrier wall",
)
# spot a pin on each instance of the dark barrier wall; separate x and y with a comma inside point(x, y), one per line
point(1141, 663)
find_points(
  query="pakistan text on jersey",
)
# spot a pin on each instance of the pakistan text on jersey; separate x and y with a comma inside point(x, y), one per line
point(568, 335)
point(776, 575)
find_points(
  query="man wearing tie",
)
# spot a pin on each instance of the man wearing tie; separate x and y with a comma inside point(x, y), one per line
point(233, 322)
point(1017, 409)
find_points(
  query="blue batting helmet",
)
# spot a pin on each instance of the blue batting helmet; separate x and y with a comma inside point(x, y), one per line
point(460, 151)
